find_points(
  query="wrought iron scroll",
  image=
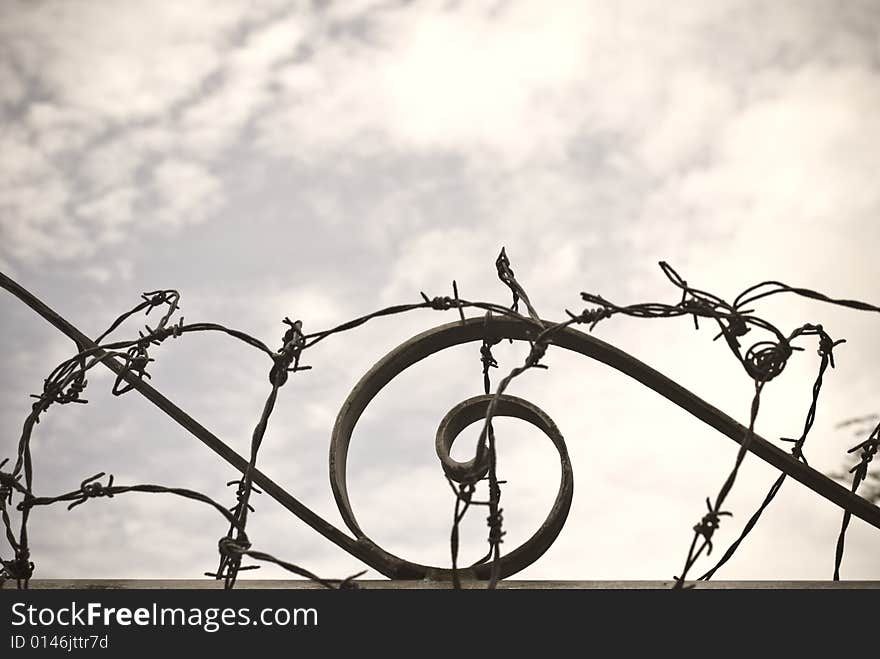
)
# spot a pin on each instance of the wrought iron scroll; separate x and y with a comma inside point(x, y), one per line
point(130, 359)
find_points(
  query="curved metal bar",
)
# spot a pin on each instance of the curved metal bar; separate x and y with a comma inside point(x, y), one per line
point(475, 329)
point(458, 418)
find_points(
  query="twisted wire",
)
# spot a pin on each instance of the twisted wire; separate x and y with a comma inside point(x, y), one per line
point(763, 361)
point(65, 385)
point(869, 449)
point(826, 347)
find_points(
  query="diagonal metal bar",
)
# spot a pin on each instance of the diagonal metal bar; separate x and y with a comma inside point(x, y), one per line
point(201, 433)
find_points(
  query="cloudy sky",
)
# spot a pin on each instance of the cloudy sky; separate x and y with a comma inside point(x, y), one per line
point(321, 160)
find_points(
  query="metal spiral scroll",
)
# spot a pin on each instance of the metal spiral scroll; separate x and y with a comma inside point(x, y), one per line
point(458, 418)
point(524, 329)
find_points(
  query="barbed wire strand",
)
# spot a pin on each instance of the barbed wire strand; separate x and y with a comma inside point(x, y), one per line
point(710, 522)
point(869, 449)
point(66, 383)
point(826, 346)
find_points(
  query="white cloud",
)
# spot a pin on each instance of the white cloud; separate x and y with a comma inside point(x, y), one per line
point(121, 62)
point(792, 170)
point(12, 89)
point(437, 80)
point(20, 161)
point(214, 121)
point(188, 193)
point(112, 210)
point(109, 80)
point(113, 271)
point(110, 164)
point(694, 107)
point(56, 129)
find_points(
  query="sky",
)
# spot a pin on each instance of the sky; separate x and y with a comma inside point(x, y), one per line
point(321, 160)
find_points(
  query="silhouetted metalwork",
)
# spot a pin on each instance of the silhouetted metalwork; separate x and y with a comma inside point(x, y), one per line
point(129, 359)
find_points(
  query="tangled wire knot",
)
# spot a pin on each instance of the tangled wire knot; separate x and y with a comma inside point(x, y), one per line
point(767, 359)
point(19, 568)
point(91, 488)
point(9, 482)
point(709, 524)
point(286, 360)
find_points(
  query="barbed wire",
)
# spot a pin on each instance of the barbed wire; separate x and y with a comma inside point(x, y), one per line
point(826, 345)
point(65, 385)
point(869, 488)
point(762, 361)
point(67, 382)
point(869, 449)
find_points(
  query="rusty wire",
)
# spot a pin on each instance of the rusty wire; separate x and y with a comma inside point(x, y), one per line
point(465, 491)
point(869, 449)
point(870, 485)
point(763, 361)
point(65, 384)
point(826, 345)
